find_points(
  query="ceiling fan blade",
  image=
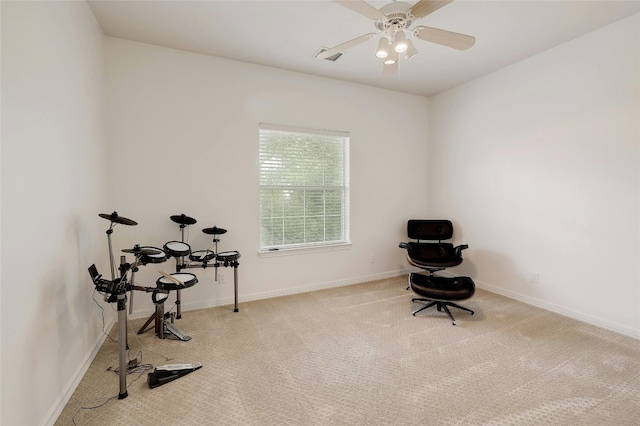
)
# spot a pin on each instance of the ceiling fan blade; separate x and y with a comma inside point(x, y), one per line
point(445, 38)
point(425, 7)
point(362, 7)
point(346, 45)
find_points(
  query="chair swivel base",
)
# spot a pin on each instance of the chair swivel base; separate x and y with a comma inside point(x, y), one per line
point(441, 306)
point(441, 292)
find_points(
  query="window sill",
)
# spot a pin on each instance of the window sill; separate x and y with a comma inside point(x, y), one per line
point(263, 254)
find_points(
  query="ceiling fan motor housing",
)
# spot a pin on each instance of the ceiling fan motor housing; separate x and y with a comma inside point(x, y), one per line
point(395, 14)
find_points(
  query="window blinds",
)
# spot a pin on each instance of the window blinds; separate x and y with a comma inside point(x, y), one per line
point(304, 189)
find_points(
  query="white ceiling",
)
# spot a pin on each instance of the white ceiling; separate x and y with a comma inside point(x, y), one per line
point(287, 34)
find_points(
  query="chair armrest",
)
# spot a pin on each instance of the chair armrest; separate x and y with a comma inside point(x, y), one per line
point(403, 245)
point(459, 249)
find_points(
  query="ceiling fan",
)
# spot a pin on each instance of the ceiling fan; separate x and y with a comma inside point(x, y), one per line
point(393, 22)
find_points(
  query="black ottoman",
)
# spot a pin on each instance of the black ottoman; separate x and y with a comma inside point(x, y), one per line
point(441, 292)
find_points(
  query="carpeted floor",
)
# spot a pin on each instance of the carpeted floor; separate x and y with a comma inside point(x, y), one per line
point(355, 356)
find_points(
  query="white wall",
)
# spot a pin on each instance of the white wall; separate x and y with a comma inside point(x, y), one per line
point(538, 165)
point(53, 186)
point(183, 138)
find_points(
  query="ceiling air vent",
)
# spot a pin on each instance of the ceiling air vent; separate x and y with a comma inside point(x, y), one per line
point(331, 58)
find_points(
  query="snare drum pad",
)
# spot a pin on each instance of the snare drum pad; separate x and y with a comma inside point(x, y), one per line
point(188, 280)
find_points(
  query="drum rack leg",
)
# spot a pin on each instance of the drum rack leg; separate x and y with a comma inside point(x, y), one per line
point(122, 345)
point(112, 261)
point(151, 318)
point(178, 304)
point(235, 286)
point(159, 318)
point(156, 318)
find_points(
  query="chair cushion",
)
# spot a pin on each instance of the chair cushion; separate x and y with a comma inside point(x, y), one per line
point(433, 254)
point(423, 229)
point(442, 288)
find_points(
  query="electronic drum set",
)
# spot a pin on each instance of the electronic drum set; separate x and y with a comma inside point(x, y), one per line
point(115, 290)
point(185, 258)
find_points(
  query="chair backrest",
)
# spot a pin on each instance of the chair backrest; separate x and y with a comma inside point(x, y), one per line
point(434, 230)
point(442, 254)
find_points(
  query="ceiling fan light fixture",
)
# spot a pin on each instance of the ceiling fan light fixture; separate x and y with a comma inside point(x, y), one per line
point(391, 59)
point(401, 43)
point(389, 70)
point(411, 50)
point(383, 48)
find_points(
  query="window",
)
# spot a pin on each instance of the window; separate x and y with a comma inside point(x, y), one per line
point(304, 187)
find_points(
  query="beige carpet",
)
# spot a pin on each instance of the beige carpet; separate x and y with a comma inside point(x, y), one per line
point(355, 356)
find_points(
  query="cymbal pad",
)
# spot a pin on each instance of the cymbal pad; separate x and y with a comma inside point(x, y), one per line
point(214, 231)
point(182, 219)
point(113, 217)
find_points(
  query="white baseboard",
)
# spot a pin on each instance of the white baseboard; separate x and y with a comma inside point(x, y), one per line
point(296, 290)
point(57, 407)
point(552, 307)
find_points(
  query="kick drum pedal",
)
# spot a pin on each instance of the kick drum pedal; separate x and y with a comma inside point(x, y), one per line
point(171, 328)
point(167, 373)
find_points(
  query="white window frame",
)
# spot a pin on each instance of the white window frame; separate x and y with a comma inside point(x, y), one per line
point(285, 249)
